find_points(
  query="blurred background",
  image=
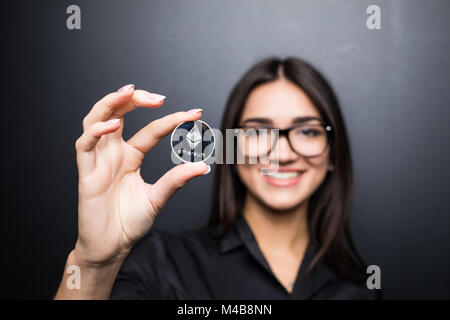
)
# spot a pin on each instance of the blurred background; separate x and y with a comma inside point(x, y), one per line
point(392, 84)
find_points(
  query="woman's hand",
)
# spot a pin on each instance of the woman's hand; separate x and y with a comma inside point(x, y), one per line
point(115, 206)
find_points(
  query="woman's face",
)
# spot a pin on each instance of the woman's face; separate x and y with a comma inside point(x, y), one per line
point(278, 104)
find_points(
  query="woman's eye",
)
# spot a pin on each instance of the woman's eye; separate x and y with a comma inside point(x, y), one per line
point(310, 132)
point(251, 132)
point(254, 132)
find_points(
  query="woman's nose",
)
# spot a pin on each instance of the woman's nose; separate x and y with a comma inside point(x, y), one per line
point(283, 151)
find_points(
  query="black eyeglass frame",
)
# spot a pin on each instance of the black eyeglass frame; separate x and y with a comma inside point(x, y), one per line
point(285, 132)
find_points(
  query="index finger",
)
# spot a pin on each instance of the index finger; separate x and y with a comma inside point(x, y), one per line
point(120, 102)
point(149, 136)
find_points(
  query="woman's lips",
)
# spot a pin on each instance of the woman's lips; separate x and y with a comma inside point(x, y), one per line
point(282, 178)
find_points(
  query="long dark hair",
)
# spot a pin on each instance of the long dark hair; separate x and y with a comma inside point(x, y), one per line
point(329, 206)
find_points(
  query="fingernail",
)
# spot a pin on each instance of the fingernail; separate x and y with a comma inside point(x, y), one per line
point(208, 171)
point(112, 122)
point(154, 97)
point(195, 110)
point(125, 88)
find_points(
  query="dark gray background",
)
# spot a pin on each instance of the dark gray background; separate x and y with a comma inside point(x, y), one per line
point(392, 84)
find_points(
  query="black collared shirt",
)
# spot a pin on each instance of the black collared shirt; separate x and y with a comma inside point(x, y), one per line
point(198, 265)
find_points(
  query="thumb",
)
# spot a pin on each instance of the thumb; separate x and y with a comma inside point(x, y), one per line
point(174, 179)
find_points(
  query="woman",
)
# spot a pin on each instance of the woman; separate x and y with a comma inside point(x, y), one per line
point(273, 234)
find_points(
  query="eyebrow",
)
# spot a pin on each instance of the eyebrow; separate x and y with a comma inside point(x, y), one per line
point(269, 121)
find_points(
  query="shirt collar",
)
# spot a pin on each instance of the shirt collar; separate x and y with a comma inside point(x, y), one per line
point(305, 287)
point(236, 236)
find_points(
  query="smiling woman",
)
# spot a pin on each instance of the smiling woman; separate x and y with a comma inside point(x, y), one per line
point(307, 199)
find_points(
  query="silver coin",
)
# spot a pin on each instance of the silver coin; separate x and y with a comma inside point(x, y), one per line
point(193, 141)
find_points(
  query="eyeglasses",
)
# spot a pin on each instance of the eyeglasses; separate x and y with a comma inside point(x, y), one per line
point(308, 139)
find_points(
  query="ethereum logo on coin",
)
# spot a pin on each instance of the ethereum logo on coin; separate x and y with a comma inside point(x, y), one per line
point(194, 137)
point(192, 141)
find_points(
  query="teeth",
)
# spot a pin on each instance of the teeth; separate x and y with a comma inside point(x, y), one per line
point(281, 175)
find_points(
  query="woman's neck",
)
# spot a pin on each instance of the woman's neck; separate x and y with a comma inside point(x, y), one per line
point(277, 230)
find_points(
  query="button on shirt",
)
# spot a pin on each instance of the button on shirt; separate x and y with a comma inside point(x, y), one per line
point(196, 264)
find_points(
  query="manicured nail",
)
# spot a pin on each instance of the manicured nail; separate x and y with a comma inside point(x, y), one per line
point(125, 88)
point(209, 170)
point(112, 122)
point(195, 110)
point(154, 97)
